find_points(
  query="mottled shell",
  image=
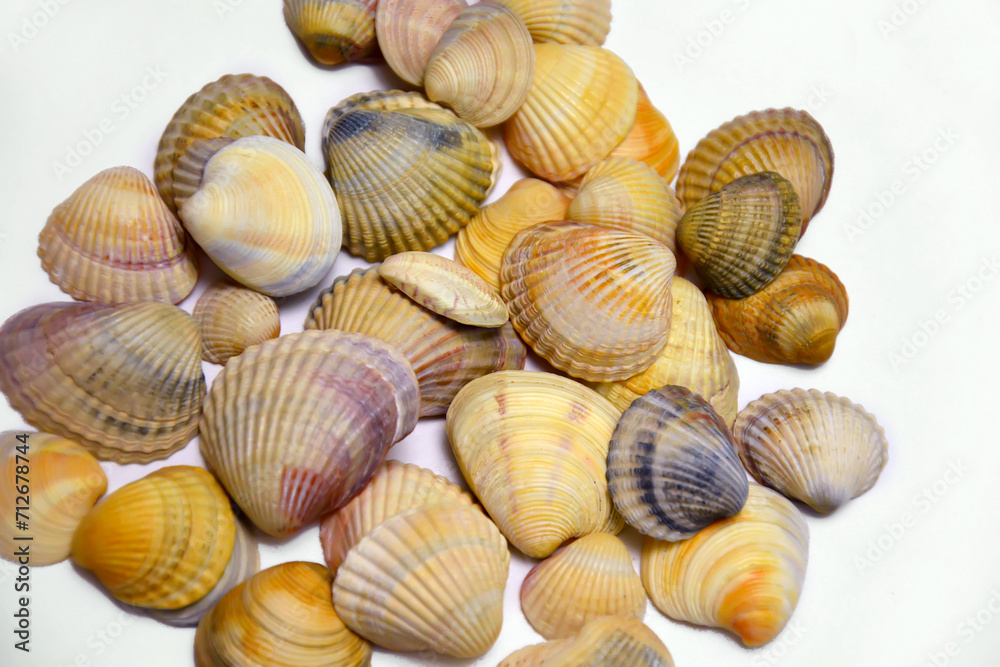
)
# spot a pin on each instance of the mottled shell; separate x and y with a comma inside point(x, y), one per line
point(651, 140)
point(794, 320)
point(408, 31)
point(743, 574)
point(591, 301)
point(581, 105)
point(740, 238)
point(429, 579)
point(604, 642)
point(786, 141)
point(334, 31)
point(811, 446)
point(281, 616)
point(565, 21)
point(123, 381)
point(533, 448)
point(295, 426)
point(232, 318)
point(590, 578)
point(161, 542)
point(64, 481)
point(444, 354)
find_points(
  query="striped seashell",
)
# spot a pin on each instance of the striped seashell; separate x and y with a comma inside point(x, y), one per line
point(408, 31)
point(333, 31)
point(565, 21)
point(231, 319)
point(651, 140)
point(604, 642)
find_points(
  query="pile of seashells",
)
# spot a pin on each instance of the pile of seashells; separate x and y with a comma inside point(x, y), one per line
point(637, 424)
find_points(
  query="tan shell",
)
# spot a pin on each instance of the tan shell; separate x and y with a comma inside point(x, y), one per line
point(232, 318)
point(604, 642)
point(565, 21)
point(334, 31)
point(651, 140)
point(408, 31)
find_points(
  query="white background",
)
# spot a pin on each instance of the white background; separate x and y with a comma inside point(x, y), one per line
point(886, 78)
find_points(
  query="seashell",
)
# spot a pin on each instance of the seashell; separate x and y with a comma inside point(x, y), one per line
point(244, 188)
point(281, 616)
point(115, 241)
point(394, 489)
point(740, 238)
point(480, 244)
point(237, 105)
point(429, 579)
point(64, 482)
point(483, 65)
point(533, 448)
point(743, 574)
point(295, 426)
point(603, 642)
point(812, 446)
point(565, 21)
point(590, 578)
point(786, 141)
point(232, 318)
point(161, 542)
point(406, 179)
point(591, 301)
point(651, 140)
point(385, 100)
point(445, 287)
point(794, 320)
point(334, 31)
point(672, 465)
point(582, 104)
point(123, 381)
point(408, 31)
point(444, 354)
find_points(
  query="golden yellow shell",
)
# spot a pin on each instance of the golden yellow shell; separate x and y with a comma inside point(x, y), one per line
point(651, 140)
point(232, 318)
point(565, 21)
point(408, 31)
point(604, 642)
point(334, 31)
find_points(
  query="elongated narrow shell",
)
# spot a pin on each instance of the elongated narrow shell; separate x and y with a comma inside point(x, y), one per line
point(334, 31)
point(64, 481)
point(408, 31)
point(591, 301)
point(232, 318)
point(743, 574)
point(590, 578)
point(794, 320)
point(651, 140)
point(430, 579)
point(581, 105)
point(812, 446)
point(123, 381)
point(281, 616)
point(565, 21)
point(533, 448)
point(740, 238)
point(444, 354)
point(161, 542)
point(786, 141)
point(604, 642)
point(295, 426)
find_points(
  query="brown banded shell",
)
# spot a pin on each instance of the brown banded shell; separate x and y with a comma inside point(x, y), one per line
point(232, 318)
point(408, 31)
point(604, 642)
point(334, 31)
point(565, 21)
point(651, 140)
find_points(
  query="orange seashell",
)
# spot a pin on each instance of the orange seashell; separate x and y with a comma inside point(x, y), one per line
point(651, 140)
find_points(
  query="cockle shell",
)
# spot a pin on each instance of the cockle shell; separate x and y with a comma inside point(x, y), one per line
point(590, 578)
point(161, 542)
point(408, 31)
point(743, 574)
point(533, 448)
point(740, 238)
point(786, 141)
point(604, 642)
point(695, 357)
point(444, 354)
point(115, 241)
point(672, 465)
point(295, 426)
point(281, 616)
point(565, 21)
point(123, 381)
point(591, 301)
point(232, 318)
point(334, 31)
point(812, 446)
point(794, 320)
point(429, 579)
point(581, 105)
point(60, 481)
point(651, 140)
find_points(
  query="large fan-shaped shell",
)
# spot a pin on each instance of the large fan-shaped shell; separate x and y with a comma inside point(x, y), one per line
point(334, 31)
point(651, 140)
point(604, 642)
point(232, 318)
point(565, 21)
point(408, 31)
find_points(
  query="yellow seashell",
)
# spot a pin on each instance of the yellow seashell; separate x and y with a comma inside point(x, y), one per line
point(408, 31)
point(231, 319)
point(651, 140)
point(565, 21)
point(334, 31)
point(604, 642)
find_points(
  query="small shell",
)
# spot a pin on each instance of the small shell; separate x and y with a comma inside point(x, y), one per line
point(815, 447)
point(64, 482)
point(408, 31)
point(672, 465)
point(334, 31)
point(232, 318)
point(295, 426)
point(282, 616)
point(604, 642)
point(651, 140)
point(533, 448)
point(590, 578)
point(591, 301)
point(742, 574)
point(115, 241)
point(449, 289)
point(794, 320)
point(565, 21)
point(430, 579)
point(740, 238)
